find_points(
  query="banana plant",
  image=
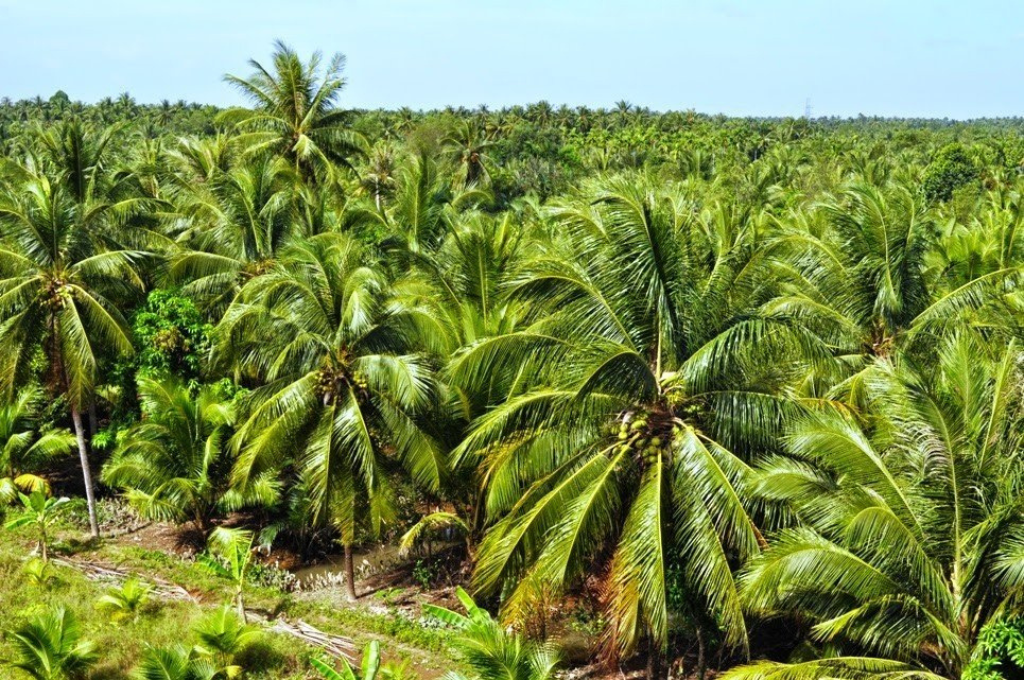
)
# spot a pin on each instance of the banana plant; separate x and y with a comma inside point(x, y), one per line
point(371, 667)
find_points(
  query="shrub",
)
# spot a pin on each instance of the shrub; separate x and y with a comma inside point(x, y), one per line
point(951, 169)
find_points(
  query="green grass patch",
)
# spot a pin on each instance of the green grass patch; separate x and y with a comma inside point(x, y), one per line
point(165, 622)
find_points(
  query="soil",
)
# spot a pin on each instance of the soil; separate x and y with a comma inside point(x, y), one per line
point(183, 541)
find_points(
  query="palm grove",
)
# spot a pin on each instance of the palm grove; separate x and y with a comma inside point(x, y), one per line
point(718, 375)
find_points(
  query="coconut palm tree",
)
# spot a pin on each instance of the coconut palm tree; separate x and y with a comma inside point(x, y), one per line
point(645, 383)
point(222, 636)
point(344, 385)
point(126, 601)
point(467, 144)
point(175, 464)
point(467, 277)
point(421, 209)
point(61, 281)
point(22, 446)
point(295, 113)
point(238, 221)
point(865, 285)
point(935, 470)
point(194, 161)
point(87, 163)
point(50, 646)
point(378, 177)
point(479, 257)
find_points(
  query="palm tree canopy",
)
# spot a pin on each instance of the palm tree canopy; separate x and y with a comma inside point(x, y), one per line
point(936, 473)
point(58, 282)
point(344, 391)
point(646, 394)
point(295, 112)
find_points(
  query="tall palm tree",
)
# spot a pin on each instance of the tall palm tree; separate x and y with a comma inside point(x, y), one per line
point(194, 161)
point(422, 210)
point(378, 177)
point(344, 386)
point(295, 113)
point(87, 163)
point(865, 285)
point(467, 145)
point(910, 535)
point(466, 279)
point(642, 389)
point(61, 282)
point(480, 256)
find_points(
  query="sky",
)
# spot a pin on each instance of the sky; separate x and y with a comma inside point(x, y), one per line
point(932, 58)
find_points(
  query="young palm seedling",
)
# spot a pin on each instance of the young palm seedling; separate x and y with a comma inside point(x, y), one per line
point(38, 510)
point(126, 601)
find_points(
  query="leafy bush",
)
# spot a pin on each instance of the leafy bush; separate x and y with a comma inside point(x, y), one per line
point(171, 335)
point(951, 169)
point(999, 653)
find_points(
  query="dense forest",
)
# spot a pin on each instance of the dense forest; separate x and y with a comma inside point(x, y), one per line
point(615, 390)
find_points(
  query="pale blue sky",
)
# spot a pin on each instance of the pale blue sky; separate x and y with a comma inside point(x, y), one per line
point(942, 58)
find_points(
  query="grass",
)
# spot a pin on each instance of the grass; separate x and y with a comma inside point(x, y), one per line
point(166, 622)
point(161, 622)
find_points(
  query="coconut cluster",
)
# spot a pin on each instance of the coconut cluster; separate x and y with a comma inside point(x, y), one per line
point(645, 435)
point(333, 380)
point(171, 340)
point(58, 294)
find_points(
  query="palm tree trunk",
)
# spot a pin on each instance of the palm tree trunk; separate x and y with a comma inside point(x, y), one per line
point(350, 574)
point(655, 661)
point(83, 454)
point(240, 603)
point(701, 661)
